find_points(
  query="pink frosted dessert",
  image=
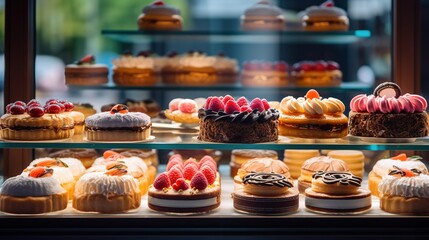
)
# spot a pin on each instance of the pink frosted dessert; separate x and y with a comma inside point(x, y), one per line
point(183, 111)
point(388, 114)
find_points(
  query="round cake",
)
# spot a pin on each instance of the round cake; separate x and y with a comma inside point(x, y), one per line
point(316, 74)
point(388, 114)
point(265, 74)
point(36, 192)
point(325, 17)
point(86, 72)
point(118, 125)
point(263, 16)
point(337, 192)
point(159, 16)
point(312, 117)
point(137, 70)
point(225, 120)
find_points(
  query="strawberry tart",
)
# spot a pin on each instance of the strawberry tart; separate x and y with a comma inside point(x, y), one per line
point(86, 72)
point(388, 114)
point(186, 187)
point(224, 119)
point(35, 122)
point(118, 125)
point(183, 111)
point(33, 193)
point(316, 74)
point(265, 74)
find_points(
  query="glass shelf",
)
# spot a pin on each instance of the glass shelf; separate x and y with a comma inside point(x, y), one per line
point(337, 37)
point(346, 86)
point(177, 139)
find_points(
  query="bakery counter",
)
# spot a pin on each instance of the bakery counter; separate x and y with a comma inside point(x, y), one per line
point(167, 136)
point(270, 37)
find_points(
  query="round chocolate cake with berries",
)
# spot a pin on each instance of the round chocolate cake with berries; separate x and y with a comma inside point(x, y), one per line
point(225, 120)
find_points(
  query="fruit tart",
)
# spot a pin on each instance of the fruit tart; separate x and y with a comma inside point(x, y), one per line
point(183, 111)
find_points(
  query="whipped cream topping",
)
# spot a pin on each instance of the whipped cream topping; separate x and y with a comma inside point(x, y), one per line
point(263, 8)
point(407, 103)
point(197, 60)
point(117, 120)
point(314, 106)
point(129, 61)
point(100, 183)
point(383, 166)
point(24, 186)
point(417, 186)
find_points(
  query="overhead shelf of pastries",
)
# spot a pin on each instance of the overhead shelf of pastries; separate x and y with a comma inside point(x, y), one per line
point(326, 37)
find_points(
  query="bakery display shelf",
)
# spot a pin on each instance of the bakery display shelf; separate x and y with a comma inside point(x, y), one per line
point(345, 86)
point(334, 37)
point(151, 221)
point(185, 139)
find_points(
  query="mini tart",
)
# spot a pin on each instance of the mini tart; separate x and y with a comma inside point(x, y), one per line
point(239, 157)
point(86, 156)
point(28, 195)
point(159, 16)
point(181, 117)
point(86, 74)
point(48, 127)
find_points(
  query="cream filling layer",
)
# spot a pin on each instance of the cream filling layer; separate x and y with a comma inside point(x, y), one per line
point(339, 204)
point(182, 203)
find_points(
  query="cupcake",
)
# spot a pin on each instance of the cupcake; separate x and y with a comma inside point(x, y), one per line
point(263, 16)
point(160, 16)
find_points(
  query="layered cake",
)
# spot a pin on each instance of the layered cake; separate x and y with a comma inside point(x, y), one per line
point(383, 166)
point(354, 160)
point(294, 159)
point(337, 192)
point(325, 17)
point(159, 16)
point(182, 111)
point(224, 119)
point(315, 164)
point(186, 187)
point(107, 192)
point(118, 125)
point(316, 74)
point(405, 191)
point(86, 72)
point(263, 16)
point(265, 74)
point(35, 122)
point(312, 117)
point(137, 70)
point(388, 114)
point(241, 156)
point(34, 193)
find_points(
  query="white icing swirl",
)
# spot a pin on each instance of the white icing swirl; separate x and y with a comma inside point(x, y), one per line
point(417, 186)
point(117, 120)
point(334, 105)
point(100, 183)
point(128, 61)
point(314, 106)
point(24, 186)
point(383, 166)
point(197, 60)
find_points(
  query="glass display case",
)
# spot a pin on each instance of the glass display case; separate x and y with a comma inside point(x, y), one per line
point(374, 50)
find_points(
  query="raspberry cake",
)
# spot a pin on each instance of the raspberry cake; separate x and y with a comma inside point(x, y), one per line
point(35, 122)
point(183, 111)
point(316, 73)
point(388, 114)
point(265, 74)
point(224, 119)
point(186, 187)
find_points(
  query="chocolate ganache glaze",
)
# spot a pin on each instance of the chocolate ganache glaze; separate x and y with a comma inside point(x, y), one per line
point(401, 172)
point(343, 178)
point(240, 117)
point(267, 179)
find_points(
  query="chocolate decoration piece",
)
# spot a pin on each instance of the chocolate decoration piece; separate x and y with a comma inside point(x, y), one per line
point(242, 117)
point(267, 179)
point(388, 89)
point(332, 177)
point(401, 172)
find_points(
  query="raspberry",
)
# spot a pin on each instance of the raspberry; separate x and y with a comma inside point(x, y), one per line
point(174, 162)
point(206, 158)
point(320, 66)
point(216, 105)
point(161, 182)
point(257, 104)
point(242, 101)
point(36, 111)
point(176, 156)
point(188, 106)
point(69, 106)
point(208, 100)
point(180, 184)
point(245, 108)
point(227, 98)
point(231, 107)
point(190, 161)
point(331, 65)
point(307, 66)
point(189, 171)
point(20, 103)
point(174, 173)
point(210, 164)
point(174, 104)
point(8, 107)
point(54, 108)
point(33, 102)
point(17, 109)
point(328, 3)
point(51, 101)
point(209, 174)
point(199, 181)
point(265, 103)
